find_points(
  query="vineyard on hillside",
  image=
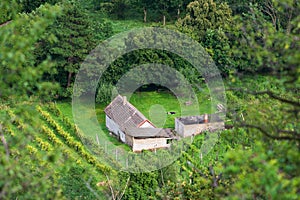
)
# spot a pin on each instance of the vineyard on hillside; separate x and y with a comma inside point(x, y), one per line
point(51, 148)
point(56, 135)
point(53, 144)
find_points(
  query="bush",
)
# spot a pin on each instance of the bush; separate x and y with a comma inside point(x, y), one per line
point(106, 7)
point(104, 93)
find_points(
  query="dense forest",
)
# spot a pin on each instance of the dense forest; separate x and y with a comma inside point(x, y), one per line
point(254, 44)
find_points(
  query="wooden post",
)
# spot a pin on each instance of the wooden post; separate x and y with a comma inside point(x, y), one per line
point(178, 13)
point(145, 15)
point(69, 79)
point(201, 157)
point(97, 139)
point(116, 154)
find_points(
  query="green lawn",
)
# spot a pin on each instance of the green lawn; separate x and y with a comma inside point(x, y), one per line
point(66, 108)
point(126, 25)
point(119, 26)
point(154, 105)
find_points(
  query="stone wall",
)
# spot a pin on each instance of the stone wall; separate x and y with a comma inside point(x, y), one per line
point(196, 129)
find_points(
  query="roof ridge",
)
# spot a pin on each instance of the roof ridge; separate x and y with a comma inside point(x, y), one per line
point(124, 113)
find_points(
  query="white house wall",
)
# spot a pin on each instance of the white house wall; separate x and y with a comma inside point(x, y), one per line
point(111, 125)
point(146, 125)
point(149, 143)
point(122, 136)
point(114, 128)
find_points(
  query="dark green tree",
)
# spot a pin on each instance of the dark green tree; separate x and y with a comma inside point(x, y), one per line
point(30, 5)
point(23, 175)
point(119, 8)
point(203, 15)
point(68, 41)
point(166, 7)
point(208, 23)
point(6, 14)
point(19, 71)
point(267, 44)
point(239, 7)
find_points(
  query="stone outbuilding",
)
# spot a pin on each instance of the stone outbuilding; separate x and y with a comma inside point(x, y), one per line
point(194, 125)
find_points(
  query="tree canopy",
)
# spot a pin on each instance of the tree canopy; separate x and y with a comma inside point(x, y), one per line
point(255, 45)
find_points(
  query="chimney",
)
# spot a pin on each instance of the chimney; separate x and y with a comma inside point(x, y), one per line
point(124, 100)
point(205, 118)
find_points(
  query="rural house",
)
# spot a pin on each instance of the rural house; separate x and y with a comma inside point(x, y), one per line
point(133, 128)
point(193, 125)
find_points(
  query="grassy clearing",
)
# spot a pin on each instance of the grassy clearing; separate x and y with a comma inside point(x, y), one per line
point(119, 26)
point(66, 108)
point(125, 25)
point(154, 105)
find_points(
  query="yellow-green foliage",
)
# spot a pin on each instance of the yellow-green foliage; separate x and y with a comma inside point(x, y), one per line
point(77, 146)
